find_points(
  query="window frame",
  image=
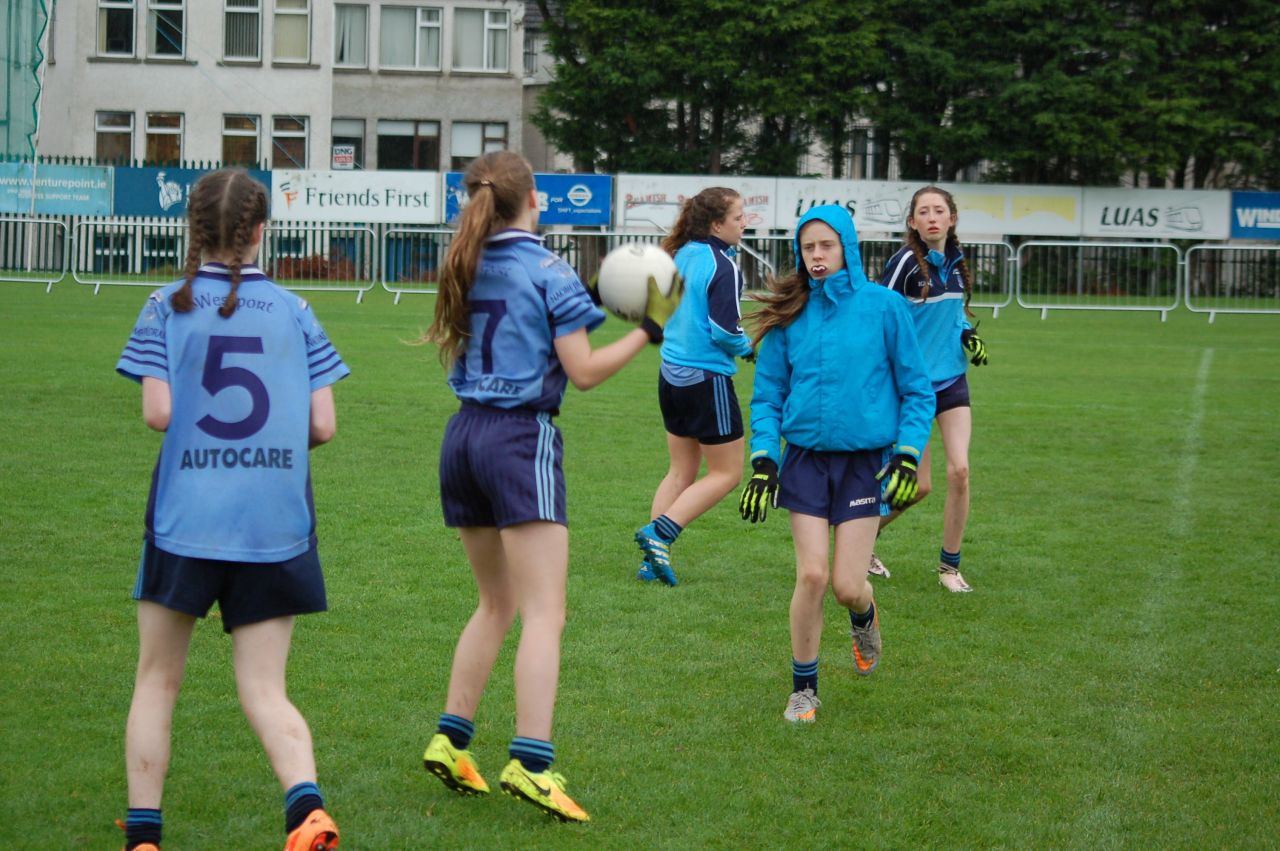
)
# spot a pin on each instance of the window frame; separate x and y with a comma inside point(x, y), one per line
point(242, 11)
point(421, 24)
point(154, 7)
point(304, 134)
point(415, 145)
point(360, 144)
point(104, 10)
point(277, 11)
point(486, 60)
point(488, 142)
point(160, 130)
point(99, 129)
point(364, 59)
point(238, 133)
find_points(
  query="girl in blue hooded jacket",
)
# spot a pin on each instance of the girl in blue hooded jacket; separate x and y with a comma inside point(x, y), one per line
point(841, 379)
point(930, 272)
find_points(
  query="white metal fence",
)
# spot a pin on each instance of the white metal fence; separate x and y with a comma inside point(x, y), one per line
point(1054, 275)
point(1039, 275)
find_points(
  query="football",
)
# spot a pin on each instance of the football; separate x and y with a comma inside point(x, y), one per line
point(623, 283)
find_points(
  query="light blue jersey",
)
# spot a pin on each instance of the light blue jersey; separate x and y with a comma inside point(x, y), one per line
point(233, 479)
point(523, 297)
point(705, 332)
point(936, 298)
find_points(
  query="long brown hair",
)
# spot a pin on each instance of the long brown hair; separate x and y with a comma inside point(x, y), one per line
point(498, 185)
point(921, 251)
point(698, 214)
point(223, 209)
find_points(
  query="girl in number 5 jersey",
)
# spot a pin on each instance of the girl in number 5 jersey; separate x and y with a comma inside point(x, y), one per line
point(238, 374)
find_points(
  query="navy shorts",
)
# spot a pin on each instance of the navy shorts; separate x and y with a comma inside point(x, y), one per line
point(839, 486)
point(501, 467)
point(954, 395)
point(246, 592)
point(706, 410)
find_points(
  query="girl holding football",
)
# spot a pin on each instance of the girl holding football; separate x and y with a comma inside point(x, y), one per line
point(511, 322)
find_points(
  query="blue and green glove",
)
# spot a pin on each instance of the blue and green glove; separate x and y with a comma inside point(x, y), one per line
point(761, 491)
point(899, 478)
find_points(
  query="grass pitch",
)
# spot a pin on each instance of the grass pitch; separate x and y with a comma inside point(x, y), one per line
point(1112, 681)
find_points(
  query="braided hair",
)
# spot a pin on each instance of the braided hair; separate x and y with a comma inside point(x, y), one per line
point(921, 251)
point(223, 209)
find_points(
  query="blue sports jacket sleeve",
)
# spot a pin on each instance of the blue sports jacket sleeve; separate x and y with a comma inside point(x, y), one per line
point(773, 378)
point(911, 375)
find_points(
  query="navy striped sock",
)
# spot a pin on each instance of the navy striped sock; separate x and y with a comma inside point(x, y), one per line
point(534, 754)
point(142, 825)
point(667, 529)
point(458, 729)
point(804, 675)
point(299, 802)
point(950, 559)
point(863, 620)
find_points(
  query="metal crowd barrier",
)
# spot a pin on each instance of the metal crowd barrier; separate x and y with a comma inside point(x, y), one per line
point(1098, 276)
point(34, 250)
point(1230, 279)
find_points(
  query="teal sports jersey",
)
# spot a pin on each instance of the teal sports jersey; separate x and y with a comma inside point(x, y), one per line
point(522, 299)
point(233, 480)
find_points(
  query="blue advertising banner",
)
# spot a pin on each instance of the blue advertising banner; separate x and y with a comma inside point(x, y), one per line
point(1255, 215)
point(563, 199)
point(61, 190)
point(163, 191)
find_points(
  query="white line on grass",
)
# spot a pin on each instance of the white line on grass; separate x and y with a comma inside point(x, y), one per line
point(1180, 522)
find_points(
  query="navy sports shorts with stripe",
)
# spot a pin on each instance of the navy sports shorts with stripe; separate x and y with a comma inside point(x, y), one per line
point(954, 395)
point(500, 467)
point(706, 410)
point(246, 592)
point(839, 486)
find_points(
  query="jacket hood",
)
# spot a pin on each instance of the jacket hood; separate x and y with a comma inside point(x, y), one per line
point(838, 219)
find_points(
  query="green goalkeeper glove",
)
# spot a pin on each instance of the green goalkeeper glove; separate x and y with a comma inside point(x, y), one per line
point(900, 485)
point(761, 491)
point(973, 346)
point(658, 307)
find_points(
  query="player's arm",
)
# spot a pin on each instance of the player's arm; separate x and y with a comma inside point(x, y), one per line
point(324, 416)
point(725, 311)
point(157, 403)
point(587, 367)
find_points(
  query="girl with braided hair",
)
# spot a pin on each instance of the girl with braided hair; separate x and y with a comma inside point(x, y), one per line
point(931, 273)
point(237, 373)
point(695, 384)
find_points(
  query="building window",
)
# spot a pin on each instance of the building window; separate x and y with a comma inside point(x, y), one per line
point(480, 39)
point(410, 38)
point(164, 137)
point(350, 36)
point(470, 139)
point(240, 140)
point(115, 27)
point(115, 137)
point(409, 144)
point(289, 141)
point(242, 33)
point(164, 28)
point(348, 137)
point(292, 23)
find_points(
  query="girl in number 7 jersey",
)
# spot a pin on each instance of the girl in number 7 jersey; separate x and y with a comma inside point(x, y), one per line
point(511, 322)
point(238, 374)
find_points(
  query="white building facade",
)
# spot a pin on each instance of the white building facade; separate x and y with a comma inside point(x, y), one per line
point(285, 84)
